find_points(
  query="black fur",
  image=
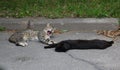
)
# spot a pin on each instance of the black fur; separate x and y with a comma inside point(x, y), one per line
point(66, 45)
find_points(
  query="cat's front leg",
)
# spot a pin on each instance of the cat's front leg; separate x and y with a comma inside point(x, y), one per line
point(23, 44)
point(50, 46)
point(51, 42)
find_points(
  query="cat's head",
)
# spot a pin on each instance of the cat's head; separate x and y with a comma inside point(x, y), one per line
point(62, 47)
point(49, 30)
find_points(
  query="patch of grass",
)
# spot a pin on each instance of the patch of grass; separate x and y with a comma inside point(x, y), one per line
point(119, 21)
point(2, 28)
point(60, 8)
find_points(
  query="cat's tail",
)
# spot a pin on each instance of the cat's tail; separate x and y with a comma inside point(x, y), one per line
point(110, 43)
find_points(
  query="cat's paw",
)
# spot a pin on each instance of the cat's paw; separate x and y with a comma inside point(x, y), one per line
point(26, 44)
point(22, 44)
point(52, 42)
point(46, 47)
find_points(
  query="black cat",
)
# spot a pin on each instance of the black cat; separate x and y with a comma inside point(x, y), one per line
point(66, 45)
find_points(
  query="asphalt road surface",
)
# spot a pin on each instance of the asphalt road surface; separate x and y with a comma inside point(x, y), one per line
point(35, 57)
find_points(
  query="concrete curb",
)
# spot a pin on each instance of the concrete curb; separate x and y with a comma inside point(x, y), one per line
point(62, 23)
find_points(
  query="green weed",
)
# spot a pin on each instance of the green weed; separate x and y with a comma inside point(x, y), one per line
point(60, 8)
point(2, 28)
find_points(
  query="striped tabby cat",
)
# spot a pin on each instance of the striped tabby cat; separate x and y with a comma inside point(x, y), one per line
point(22, 37)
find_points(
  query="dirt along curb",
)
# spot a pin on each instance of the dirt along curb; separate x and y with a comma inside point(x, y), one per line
point(61, 23)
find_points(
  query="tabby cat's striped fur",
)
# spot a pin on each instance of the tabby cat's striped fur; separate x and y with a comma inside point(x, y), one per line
point(21, 38)
point(45, 35)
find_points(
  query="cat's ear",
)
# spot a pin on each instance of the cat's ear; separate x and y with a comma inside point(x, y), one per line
point(30, 25)
point(53, 30)
point(48, 25)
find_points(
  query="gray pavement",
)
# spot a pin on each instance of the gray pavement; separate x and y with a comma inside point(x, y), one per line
point(61, 23)
point(35, 57)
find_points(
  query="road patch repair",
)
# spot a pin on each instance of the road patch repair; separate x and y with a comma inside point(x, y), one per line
point(36, 57)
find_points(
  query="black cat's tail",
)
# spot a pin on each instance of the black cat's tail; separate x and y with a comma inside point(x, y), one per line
point(111, 42)
point(106, 45)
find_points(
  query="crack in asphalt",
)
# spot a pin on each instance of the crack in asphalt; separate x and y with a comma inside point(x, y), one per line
point(79, 59)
